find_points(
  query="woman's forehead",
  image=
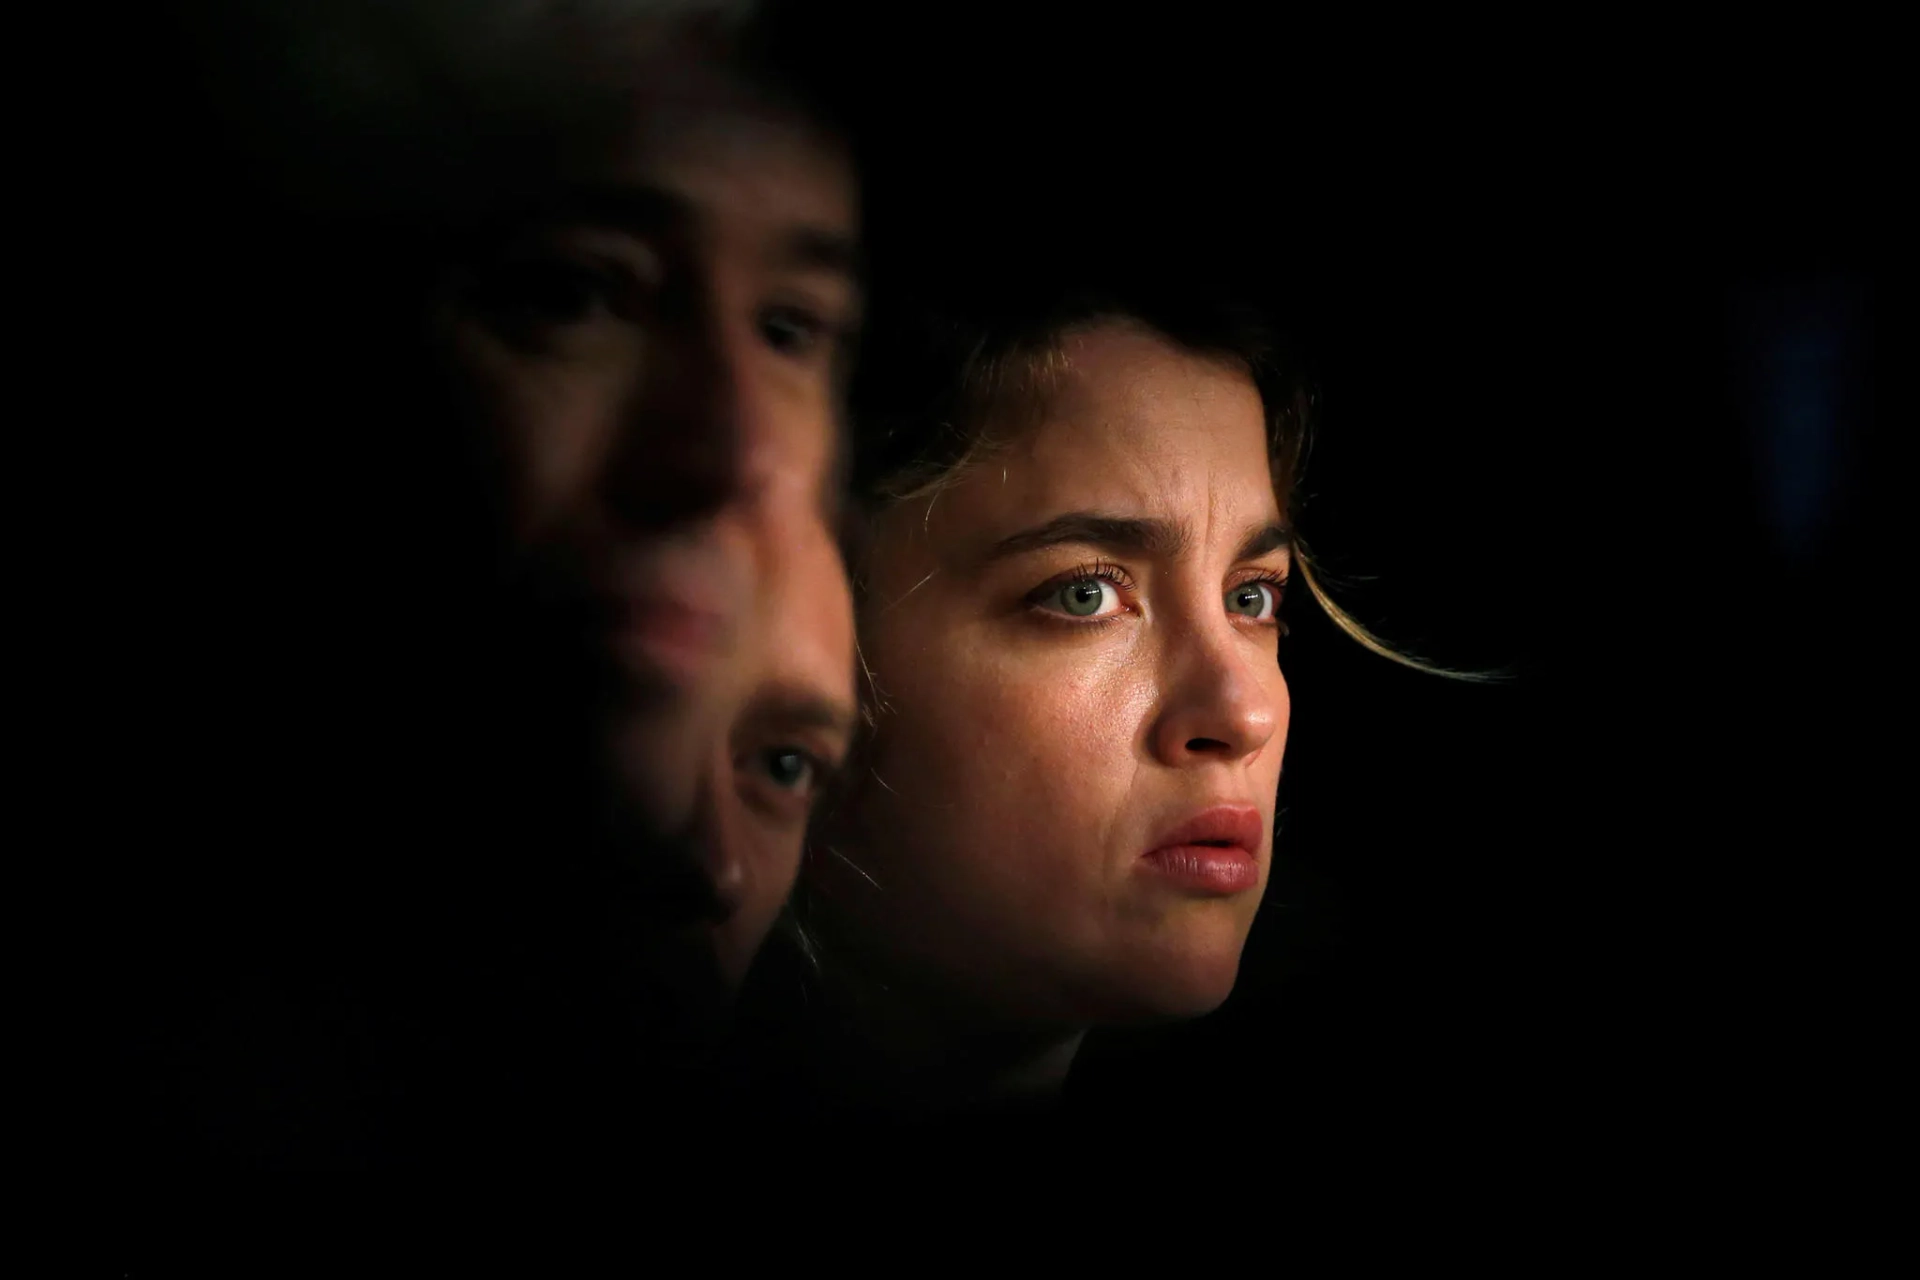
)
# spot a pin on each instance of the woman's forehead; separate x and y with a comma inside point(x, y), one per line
point(1135, 429)
point(1133, 417)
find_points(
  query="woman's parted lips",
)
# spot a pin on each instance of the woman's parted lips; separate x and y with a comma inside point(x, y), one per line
point(1224, 825)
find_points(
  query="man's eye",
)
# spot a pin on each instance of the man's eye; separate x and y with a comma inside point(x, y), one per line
point(793, 331)
point(780, 782)
point(788, 768)
point(547, 293)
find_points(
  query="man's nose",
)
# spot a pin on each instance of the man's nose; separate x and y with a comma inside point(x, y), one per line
point(696, 430)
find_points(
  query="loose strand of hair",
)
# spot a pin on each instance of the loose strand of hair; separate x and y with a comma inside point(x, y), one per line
point(1362, 635)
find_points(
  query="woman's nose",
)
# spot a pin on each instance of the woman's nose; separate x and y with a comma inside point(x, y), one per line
point(1218, 703)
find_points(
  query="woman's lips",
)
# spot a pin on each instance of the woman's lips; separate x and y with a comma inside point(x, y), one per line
point(1215, 852)
point(1207, 869)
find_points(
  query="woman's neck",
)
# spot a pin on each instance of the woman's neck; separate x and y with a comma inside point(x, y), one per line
point(897, 1046)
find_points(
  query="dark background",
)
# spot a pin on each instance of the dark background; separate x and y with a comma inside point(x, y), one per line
point(1599, 320)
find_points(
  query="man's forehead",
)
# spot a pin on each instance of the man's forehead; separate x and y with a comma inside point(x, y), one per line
point(739, 157)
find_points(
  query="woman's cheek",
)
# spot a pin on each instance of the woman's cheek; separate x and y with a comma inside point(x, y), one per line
point(1000, 801)
point(1062, 710)
point(986, 715)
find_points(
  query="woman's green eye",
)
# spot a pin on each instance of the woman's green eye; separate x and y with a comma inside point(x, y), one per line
point(1255, 600)
point(1085, 597)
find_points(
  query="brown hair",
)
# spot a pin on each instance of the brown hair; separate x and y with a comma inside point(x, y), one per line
point(939, 388)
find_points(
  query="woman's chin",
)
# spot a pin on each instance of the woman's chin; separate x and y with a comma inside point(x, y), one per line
point(1173, 987)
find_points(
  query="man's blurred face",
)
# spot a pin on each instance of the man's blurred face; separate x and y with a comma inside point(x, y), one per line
point(653, 364)
point(790, 736)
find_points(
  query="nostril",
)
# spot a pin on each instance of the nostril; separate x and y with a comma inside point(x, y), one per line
point(1206, 744)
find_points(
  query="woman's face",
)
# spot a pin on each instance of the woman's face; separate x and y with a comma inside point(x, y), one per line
point(1081, 712)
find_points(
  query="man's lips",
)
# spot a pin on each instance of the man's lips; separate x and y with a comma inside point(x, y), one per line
point(672, 636)
point(674, 616)
point(670, 623)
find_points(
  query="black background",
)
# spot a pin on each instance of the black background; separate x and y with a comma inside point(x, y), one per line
point(1539, 273)
point(1546, 281)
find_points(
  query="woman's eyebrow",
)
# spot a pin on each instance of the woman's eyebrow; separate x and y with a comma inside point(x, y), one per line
point(1130, 534)
point(1263, 540)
